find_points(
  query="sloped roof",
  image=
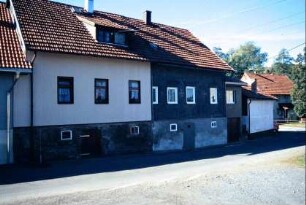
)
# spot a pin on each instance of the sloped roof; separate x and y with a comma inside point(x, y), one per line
point(54, 27)
point(272, 84)
point(234, 81)
point(246, 91)
point(11, 55)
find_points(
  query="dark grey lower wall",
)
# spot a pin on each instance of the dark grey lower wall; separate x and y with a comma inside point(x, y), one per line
point(45, 144)
point(191, 134)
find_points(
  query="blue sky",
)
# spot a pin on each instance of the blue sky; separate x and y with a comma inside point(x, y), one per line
point(271, 24)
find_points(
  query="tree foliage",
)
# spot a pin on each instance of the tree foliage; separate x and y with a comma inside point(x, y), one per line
point(283, 63)
point(247, 57)
point(298, 93)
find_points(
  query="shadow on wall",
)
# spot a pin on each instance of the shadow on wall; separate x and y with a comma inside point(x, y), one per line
point(17, 173)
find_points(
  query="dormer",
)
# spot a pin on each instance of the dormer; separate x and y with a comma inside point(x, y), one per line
point(111, 35)
point(105, 34)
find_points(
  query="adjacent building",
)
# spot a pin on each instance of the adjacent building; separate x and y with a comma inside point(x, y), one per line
point(233, 109)
point(257, 111)
point(278, 86)
point(13, 69)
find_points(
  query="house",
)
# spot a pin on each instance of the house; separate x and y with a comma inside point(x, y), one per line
point(257, 110)
point(278, 86)
point(13, 67)
point(233, 109)
point(103, 83)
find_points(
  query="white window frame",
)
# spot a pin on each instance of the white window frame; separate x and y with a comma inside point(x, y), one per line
point(70, 138)
point(173, 130)
point(213, 91)
point(156, 95)
point(233, 97)
point(213, 124)
point(193, 92)
point(131, 130)
point(176, 95)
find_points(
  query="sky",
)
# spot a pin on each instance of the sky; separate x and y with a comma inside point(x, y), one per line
point(270, 24)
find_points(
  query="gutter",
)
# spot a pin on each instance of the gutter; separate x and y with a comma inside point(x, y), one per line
point(8, 116)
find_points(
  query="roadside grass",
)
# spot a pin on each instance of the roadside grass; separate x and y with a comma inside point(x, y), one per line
point(297, 160)
point(300, 161)
point(293, 124)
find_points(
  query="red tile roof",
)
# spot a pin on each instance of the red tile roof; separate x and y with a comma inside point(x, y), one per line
point(11, 55)
point(247, 91)
point(53, 27)
point(272, 84)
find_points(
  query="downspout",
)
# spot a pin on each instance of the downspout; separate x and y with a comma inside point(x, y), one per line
point(8, 117)
point(249, 113)
point(32, 153)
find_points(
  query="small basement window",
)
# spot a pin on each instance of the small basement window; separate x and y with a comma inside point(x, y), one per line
point(213, 124)
point(66, 135)
point(134, 130)
point(173, 127)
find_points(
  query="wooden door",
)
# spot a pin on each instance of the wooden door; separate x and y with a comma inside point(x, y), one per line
point(89, 143)
point(233, 129)
point(189, 136)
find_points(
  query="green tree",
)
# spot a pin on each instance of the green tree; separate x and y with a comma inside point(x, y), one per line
point(298, 93)
point(221, 54)
point(246, 57)
point(283, 63)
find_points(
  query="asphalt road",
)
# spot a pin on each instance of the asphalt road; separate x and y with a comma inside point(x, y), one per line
point(59, 178)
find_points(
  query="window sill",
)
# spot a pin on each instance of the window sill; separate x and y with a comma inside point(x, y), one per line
point(172, 103)
point(112, 44)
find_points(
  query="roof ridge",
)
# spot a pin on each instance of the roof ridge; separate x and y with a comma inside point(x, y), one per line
point(265, 78)
point(120, 15)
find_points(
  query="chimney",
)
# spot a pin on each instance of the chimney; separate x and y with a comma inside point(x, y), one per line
point(147, 17)
point(89, 6)
point(254, 86)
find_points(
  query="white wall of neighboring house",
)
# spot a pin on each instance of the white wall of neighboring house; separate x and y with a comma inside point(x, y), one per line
point(84, 70)
point(261, 112)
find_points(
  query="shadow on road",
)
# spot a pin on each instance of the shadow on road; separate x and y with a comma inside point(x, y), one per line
point(22, 173)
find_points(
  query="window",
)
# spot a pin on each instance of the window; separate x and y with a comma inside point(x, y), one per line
point(172, 95)
point(190, 95)
point(64, 90)
point(134, 130)
point(110, 36)
point(134, 92)
point(213, 96)
point(66, 135)
point(230, 97)
point(105, 36)
point(213, 124)
point(101, 91)
point(155, 95)
point(173, 127)
point(119, 38)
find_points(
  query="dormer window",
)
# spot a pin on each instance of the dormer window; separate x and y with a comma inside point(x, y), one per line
point(105, 35)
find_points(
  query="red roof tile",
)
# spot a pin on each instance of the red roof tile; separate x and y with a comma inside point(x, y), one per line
point(53, 27)
point(247, 91)
point(272, 84)
point(11, 55)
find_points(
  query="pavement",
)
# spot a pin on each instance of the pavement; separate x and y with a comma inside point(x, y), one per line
point(19, 182)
